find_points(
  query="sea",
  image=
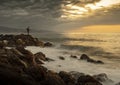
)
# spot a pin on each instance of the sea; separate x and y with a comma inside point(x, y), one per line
point(98, 46)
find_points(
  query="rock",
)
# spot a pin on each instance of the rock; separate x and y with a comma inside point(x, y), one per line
point(61, 57)
point(118, 83)
point(2, 44)
point(48, 44)
point(38, 73)
point(88, 59)
point(29, 56)
point(53, 79)
point(49, 59)
point(72, 56)
point(84, 57)
point(40, 56)
point(68, 78)
point(76, 75)
point(22, 40)
point(87, 80)
point(12, 77)
point(99, 62)
point(102, 77)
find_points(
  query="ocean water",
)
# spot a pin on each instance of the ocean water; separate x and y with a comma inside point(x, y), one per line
point(104, 47)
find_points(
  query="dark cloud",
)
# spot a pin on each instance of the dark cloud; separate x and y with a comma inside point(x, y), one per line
point(39, 6)
point(46, 14)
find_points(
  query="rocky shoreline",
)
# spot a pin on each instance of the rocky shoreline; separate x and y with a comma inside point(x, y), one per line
point(19, 66)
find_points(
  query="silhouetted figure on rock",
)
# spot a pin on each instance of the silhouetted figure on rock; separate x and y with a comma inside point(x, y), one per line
point(28, 30)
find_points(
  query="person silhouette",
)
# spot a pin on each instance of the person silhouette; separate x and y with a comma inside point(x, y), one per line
point(28, 30)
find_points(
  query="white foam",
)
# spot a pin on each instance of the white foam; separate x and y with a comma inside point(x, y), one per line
point(70, 64)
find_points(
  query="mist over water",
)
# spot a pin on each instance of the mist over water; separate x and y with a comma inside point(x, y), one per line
point(102, 46)
point(95, 44)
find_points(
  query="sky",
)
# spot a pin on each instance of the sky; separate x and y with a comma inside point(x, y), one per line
point(61, 15)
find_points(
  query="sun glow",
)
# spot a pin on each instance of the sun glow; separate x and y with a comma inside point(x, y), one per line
point(73, 11)
point(97, 29)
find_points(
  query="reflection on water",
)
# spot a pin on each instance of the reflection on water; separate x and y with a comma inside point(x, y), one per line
point(109, 42)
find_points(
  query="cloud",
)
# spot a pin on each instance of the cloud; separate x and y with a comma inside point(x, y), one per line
point(46, 14)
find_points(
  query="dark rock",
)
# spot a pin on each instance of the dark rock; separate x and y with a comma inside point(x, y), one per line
point(102, 77)
point(21, 40)
point(53, 79)
point(99, 62)
point(72, 56)
point(76, 75)
point(84, 57)
point(40, 56)
point(12, 77)
point(38, 73)
point(87, 80)
point(48, 44)
point(49, 59)
point(118, 83)
point(88, 59)
point(61, 57)
point(29, 57)
point(68, 78)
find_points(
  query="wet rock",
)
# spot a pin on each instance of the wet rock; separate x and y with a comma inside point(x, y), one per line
point(61, 57)
point(99, 62)
point(49, 59)
point(118, 83)
point(84, 57)
point(40, 56)
point(72, 56)
point(102, 77)
point(68, 78)
point(28, 55)
point(87, 80)
point(88, 59)
point(53, 79)
point(76, 75)
point(48, 44)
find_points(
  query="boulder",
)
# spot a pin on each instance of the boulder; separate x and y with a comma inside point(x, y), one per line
point(87, 80)
point(29, 56)
point(61, 57)
point(88, 59)
point(76, 75)
point(102, 77)
point(73, 56)
point(67, 77)
point(53, 79)
point(48, 44)
point(38, 73)
point(40, 56)
point(84, 57)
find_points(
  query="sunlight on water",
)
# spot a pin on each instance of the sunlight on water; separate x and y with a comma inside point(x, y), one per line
point(109, 42)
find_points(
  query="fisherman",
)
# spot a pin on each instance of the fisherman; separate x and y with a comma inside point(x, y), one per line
point(28, 30)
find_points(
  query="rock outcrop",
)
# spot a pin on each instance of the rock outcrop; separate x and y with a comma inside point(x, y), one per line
point(102, 78)
point(20, 40)
point(19, 66)
point(87, 80)
point(88, 59)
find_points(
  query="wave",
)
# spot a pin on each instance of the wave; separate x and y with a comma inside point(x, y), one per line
point(94, 51)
